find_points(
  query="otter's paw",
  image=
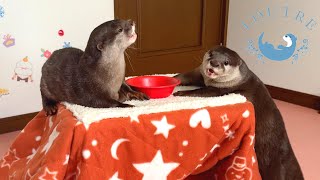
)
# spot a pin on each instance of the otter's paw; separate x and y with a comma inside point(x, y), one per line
point(138, 96)
point(180, 93)
point(50, 110)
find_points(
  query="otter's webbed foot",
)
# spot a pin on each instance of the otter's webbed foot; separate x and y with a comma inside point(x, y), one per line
point(126, 93)
point(50, 110)
point(137, 96)
point(49, 105)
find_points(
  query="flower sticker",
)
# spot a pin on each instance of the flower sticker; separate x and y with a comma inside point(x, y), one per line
point(8, 41)
point(1, 12)
point(45, 53)
point(66, 45)
point(3, 92)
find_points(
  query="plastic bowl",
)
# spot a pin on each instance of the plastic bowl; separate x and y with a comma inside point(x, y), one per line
point(154, 86)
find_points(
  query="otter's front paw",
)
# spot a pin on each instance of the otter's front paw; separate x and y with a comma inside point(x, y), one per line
point(50, 110)
point(138, 96)
point(180, 93)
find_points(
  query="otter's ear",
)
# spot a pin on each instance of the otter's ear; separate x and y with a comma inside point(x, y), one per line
point(100, 46)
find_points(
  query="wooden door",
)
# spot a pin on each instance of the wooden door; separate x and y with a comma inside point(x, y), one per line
point(173, 35)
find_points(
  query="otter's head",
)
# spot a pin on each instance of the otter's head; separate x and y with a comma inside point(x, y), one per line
point(221, 64)
point(116, 34)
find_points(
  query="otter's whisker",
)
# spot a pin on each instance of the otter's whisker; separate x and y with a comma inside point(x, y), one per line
point(129, 59)
point(198, 59)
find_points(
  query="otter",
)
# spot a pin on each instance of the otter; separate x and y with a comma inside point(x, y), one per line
point(222, 72)
point(94, 77)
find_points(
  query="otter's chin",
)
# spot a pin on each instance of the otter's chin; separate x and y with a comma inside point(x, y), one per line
point(132, 38)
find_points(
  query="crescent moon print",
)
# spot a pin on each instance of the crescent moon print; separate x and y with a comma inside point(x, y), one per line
point(115, 146)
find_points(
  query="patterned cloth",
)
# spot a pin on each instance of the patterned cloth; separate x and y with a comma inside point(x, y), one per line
point(204, 143)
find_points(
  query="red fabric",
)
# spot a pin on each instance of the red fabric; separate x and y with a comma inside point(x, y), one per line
point(60, 147)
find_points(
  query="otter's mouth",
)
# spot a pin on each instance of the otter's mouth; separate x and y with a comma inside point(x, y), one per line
point(211, 72)
point(132, 36)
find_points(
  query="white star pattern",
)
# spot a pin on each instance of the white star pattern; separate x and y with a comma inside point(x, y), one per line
point(34, 152)
point(252, 138)
point(156, 169)
point(48, 172)
point(163, 127)
point(52, 137)
point(225, 128)
point(230, 134)
point(4, 161)
point(224, 118)
point(134, 117)
point(115, 176)
point(66, 160)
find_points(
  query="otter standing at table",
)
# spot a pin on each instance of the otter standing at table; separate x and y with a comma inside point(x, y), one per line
point(223, 71)
point(95, 77)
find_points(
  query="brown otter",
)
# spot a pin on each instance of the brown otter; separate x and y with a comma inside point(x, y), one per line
point(223, 71)
point(95, 77)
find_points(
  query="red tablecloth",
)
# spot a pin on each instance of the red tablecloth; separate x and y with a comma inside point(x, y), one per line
point(166, 145)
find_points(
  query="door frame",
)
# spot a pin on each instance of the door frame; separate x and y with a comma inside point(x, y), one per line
point(223, 25)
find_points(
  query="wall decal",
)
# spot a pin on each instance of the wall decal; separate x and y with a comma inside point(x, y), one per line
point(61, 32)
point(45, 53)
point(293, 45)
point(3, 92)
point(280, 52)
point(23, 71)
point(1, 12)
point(8, 41)
point(66, 45)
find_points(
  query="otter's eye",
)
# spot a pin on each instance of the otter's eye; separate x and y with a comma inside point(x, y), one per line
point(120, 30)
point(226, 63)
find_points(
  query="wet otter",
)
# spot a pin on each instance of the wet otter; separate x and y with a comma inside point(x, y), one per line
point(94, 77)
point(223, 71)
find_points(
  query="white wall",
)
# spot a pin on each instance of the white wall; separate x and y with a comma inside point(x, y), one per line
point(301, 18)
point(34, 25)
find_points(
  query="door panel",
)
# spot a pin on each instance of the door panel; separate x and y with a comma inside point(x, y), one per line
point(172, 35)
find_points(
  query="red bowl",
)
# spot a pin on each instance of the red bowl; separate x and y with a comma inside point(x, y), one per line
point(154, 86)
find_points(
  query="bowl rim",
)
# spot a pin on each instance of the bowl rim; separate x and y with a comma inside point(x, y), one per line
point(156, 87)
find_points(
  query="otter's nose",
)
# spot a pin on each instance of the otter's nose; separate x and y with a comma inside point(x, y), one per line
point(214, 64)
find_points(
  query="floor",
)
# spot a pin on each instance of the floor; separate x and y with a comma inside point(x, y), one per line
point(303, 127)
